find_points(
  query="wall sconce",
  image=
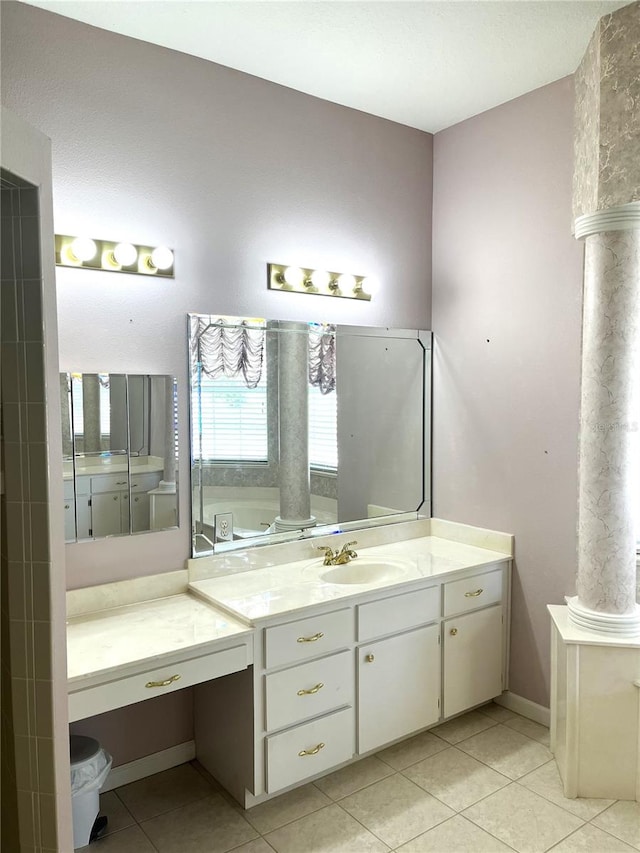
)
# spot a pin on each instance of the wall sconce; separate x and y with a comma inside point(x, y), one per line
point(318, 282)
point(114, 257)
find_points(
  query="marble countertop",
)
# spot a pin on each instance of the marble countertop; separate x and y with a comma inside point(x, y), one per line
point(112, 641)
point(115, 465)
point(290, 587)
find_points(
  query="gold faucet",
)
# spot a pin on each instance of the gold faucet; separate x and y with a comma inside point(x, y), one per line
point(337, 558)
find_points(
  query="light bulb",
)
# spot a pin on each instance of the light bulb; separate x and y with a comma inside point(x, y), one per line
point(320, 279)
point(162, 258)
point(125, 254)
point(83, 249)
point(293, 276)
point(346, 282)
point(370, 285)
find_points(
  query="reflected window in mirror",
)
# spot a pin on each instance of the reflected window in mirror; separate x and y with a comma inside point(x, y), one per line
point(120, 451)
point(300, 426)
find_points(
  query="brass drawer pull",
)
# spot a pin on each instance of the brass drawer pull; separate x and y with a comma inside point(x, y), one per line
point(453, 632)
point(312, 690)
point(313, 751)
point(164, 683)
point(473, 594)
point(313, 639)
point(370, 658)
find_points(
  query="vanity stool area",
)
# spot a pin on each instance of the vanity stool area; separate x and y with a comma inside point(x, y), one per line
point(298, 670)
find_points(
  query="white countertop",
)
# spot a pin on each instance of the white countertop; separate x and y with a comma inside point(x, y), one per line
point(115, 465)
point(290, 587)
point(107, 642)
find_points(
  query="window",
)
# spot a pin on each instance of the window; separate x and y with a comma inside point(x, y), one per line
point(229, 420)
point(104, 402)
point(323, 438)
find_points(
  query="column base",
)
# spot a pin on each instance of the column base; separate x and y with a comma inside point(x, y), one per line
point(282, 525)
point(619, 624)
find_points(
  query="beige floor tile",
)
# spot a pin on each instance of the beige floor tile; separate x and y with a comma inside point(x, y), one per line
point(455, 778)
point(330, 830)
point(529, 728)
point(496, 712)
point(117, 813)
point(546, 782)
point(354, 777)
point(522, 819)
point(210, 825)
point(456, 834)
point(164, 791)
point(396, 810)
point(410, 751)
point(622, 819)
point(463, 727)
point(131, 840)
point(590, 839)
point(286, 808)
point(507, 751)
point(259, 845)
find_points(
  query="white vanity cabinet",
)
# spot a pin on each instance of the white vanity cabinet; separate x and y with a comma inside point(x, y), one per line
point(355, 676)
point(103, 506)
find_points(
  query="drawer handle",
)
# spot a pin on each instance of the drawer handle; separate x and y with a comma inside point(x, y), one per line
point(164, 683)
point(473, 594)
point(370, 658)
point(453, 632)
point(313, 639)
point(312, 690)
point(314, 751)
point(66, 506)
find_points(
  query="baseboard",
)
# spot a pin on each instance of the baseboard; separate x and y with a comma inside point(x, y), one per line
point(150, 764)
point(525, 707)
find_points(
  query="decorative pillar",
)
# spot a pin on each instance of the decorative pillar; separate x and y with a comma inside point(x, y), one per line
point(607, 211)
point(293, 381)
point(91, 412)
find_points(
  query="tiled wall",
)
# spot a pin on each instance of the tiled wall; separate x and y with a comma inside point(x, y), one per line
point(27, 704)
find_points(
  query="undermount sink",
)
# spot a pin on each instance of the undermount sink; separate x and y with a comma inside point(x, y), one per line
point(364, 571)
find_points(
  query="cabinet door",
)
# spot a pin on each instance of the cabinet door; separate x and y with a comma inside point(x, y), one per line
point(140, 515)
point(398, 686)
point(106, 514)
point(69, 520)
point(473, 655)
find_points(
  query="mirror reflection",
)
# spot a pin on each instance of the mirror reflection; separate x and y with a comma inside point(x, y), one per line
point(119, 445)
point(296, 426)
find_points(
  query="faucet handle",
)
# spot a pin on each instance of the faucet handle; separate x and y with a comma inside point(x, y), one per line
point(348, 545)
point(325, 548)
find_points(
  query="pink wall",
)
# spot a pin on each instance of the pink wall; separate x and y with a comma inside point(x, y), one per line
point(157, 147)
point(507, 288)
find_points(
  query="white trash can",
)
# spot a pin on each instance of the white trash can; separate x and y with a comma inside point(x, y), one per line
point(90, 765)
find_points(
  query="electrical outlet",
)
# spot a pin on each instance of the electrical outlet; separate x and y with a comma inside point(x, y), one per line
point(223, 526)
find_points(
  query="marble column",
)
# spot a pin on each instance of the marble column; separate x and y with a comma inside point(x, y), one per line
point(168, 482)
point(607, 211)
point(293, 381)
point(91, 412)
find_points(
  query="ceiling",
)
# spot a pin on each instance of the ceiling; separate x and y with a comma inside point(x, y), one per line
point(425, 64)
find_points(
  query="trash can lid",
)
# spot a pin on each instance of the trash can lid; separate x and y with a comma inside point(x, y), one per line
point(82, 748)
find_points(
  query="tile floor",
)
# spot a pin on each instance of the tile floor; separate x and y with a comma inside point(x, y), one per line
point(483, 783)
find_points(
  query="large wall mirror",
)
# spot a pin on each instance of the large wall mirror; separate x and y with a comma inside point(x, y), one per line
point(302, 428)
point(119, 447)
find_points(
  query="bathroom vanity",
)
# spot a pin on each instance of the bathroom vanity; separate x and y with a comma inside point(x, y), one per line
point(301, 668)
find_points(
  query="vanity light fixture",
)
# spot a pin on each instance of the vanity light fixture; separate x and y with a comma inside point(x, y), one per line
point(110, 256)
point(318, 282)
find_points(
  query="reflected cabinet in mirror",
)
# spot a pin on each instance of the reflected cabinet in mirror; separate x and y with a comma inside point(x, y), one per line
point(304, 428)
point(119, 446)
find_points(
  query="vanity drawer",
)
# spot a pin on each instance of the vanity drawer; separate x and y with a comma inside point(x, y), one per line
point(398, 613)
point(307, 638)
point(308, 690)
point(109, 483)
point(146, 685)
point(309, 749)
point(473, 592)
point(145, 482)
